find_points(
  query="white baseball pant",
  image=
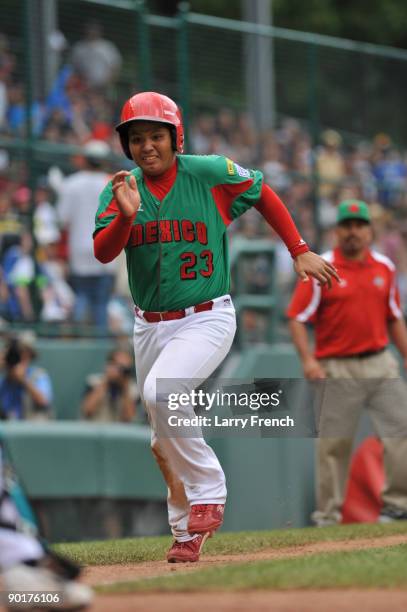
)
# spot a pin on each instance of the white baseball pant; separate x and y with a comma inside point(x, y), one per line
point(189, 349)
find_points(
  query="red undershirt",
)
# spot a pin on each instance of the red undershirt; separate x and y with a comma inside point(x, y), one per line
point(110, 241)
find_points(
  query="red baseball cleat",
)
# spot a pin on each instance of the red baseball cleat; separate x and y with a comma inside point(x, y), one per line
point(184, 552)
point(205, 517)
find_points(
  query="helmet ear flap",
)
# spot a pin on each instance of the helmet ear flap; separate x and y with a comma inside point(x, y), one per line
point(124, 140)
point(174, 138)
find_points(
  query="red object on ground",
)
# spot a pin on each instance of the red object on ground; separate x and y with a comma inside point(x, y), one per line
point(365, 484)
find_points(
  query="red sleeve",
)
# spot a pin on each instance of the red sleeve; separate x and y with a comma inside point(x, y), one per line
point(394, 310)
point(305, 301)
point(276, 214)
point(224, 196)
point(111, 240)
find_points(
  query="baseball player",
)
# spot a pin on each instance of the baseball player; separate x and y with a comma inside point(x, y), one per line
point(352, 325)
point(170, 214)
point(28, 568)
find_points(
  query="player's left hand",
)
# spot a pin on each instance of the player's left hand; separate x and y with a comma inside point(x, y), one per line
point(310, 264)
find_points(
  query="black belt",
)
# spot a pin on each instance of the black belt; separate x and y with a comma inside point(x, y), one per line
point(363, 355)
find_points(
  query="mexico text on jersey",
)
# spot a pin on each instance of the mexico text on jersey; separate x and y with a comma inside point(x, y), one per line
point(177, 253)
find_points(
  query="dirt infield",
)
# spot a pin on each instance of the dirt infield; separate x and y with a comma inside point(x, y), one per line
point(279, 601)
point(258, 601)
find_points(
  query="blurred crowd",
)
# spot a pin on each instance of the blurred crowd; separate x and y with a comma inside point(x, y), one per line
point(46, 267)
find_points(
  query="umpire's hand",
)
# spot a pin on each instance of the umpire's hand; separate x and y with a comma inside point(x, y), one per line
point(313, 369)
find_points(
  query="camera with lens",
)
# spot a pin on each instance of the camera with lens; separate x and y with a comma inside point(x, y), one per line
point(12, 356)
point(124, 371)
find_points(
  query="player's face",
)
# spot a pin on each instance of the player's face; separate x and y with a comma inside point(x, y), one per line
point(151, 147)
point(354, 236)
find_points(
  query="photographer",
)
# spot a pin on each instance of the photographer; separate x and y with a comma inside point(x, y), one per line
point(111, 396)
point(25, 389)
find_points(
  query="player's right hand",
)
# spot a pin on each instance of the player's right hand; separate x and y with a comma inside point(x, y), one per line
point(313, 369)
point(126, 193)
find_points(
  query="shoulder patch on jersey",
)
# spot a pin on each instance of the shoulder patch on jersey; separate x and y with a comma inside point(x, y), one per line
point(383, 259)
point(230, 166)
point(242, 171)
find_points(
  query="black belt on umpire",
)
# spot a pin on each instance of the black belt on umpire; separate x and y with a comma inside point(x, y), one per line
point(361, 355)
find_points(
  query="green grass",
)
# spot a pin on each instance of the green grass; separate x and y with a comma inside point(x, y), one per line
point(374, 568)
point(138, 550)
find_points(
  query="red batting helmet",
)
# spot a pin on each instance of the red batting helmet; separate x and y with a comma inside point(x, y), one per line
point(151, 106)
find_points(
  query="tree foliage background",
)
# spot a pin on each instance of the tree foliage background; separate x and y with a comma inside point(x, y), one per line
point(377, 21)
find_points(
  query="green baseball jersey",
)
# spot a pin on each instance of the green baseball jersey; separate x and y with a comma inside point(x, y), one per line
point(177, 253)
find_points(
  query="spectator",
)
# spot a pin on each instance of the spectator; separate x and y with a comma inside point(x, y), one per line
point(302, 156)
point(202, 132)
point(330, 164)
point(58, 125)
point(275, 170)
point(45, 217)
point(11, 226)
point(95, 59)
point(17, 112)
point(20, 273)
point(58, 299)
point(7, 59)
point(112, 396)
point(226, 121)
point(25, 389)
point(91, 281)
point(21, 201)
point(361, 168)
point(391, 175)
point(288, 136)
point(247, 130)
point(3, 105)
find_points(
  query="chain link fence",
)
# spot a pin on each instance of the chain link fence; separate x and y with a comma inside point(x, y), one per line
point(319, 115)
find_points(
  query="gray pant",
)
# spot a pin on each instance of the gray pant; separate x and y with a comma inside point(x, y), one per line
point(373, 383)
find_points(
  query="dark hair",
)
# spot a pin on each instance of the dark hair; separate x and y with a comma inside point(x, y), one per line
point(12, 355)
point(111, 354)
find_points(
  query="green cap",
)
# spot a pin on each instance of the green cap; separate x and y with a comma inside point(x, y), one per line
point(353, 209)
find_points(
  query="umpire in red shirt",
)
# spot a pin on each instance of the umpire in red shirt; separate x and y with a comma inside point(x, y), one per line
point(352, 322)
